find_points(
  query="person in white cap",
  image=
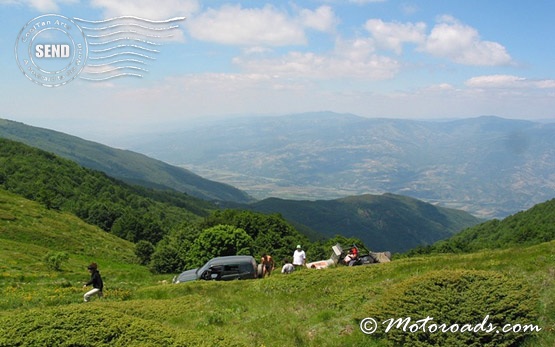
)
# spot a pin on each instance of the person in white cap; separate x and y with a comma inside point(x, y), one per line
point(299, 257)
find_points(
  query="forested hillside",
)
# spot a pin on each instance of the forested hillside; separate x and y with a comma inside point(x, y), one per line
point(130, 212)
point(524, 228)
point(128, 166)
point(172, 231)
point(383, 222)
point(388, 222)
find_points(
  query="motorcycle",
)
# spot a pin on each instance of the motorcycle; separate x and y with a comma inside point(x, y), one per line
point(359, 255)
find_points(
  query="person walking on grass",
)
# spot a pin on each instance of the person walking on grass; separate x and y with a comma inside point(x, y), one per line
point(96, 281)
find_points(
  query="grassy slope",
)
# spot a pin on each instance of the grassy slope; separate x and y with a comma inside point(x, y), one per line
point(28, 232)
point(307, 308)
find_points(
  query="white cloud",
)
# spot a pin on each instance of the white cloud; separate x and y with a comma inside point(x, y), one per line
point(408, 9)
point(462, 44)
point(350, 59)
point(148, 9)
point(545, 84)
point(257, 93)
point(442, 87)
point(234, 25)
point(508, 82)
point(214, 93)
point(39, 5)
point(322, 19)
point(393, 35)
point(448, 39)
point(362, 2)
point(494, 81)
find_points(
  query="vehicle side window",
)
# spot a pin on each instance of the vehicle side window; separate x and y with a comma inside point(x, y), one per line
point(248, 268)
point(213, 273)
point(231, 268)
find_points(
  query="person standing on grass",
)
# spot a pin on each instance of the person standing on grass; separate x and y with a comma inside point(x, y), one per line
point(96, 281)
point(267, 264)
point(299, 257)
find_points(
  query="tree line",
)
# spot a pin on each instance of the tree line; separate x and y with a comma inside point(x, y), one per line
point(172, 231)
point(525, 228)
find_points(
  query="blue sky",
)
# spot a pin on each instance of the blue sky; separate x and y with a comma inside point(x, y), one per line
point(428, 59)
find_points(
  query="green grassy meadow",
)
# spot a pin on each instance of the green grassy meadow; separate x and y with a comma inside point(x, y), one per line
point(42, 307)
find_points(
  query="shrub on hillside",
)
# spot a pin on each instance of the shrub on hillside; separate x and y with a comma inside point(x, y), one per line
point(54, 260)
point(219, 241)
point(81, 325)
point(271, 234)
point(144, 250)
point(166, 259)
point(459, 299)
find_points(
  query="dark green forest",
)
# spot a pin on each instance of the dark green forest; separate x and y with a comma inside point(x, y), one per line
point(385, 222)
point(521, 229)
point(130, 212)
point(172, 230)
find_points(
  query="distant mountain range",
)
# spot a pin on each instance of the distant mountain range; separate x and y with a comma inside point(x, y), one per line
point(128, 166)
point(383, 222)
point(488, 166)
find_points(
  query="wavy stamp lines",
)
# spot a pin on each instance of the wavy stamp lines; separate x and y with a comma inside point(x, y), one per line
point(124, 46)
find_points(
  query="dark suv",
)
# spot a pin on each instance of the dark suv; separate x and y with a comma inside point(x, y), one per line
point(234, 267)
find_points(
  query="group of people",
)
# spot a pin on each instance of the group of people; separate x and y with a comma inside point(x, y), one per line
point(268, 264)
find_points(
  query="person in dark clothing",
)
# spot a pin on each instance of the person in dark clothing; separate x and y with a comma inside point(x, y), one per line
point(96, 281)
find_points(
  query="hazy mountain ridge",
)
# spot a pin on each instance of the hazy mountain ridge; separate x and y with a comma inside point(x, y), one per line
point(389, 222)
point(383, 222)
point(489, 166)
point(125, 165)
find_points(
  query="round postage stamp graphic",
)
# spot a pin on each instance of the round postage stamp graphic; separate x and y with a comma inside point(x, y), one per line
point(51, 50)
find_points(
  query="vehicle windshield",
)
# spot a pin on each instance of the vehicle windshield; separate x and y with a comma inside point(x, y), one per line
point(205, 267)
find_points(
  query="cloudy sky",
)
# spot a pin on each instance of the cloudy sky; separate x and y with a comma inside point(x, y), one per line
point(425, 59)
